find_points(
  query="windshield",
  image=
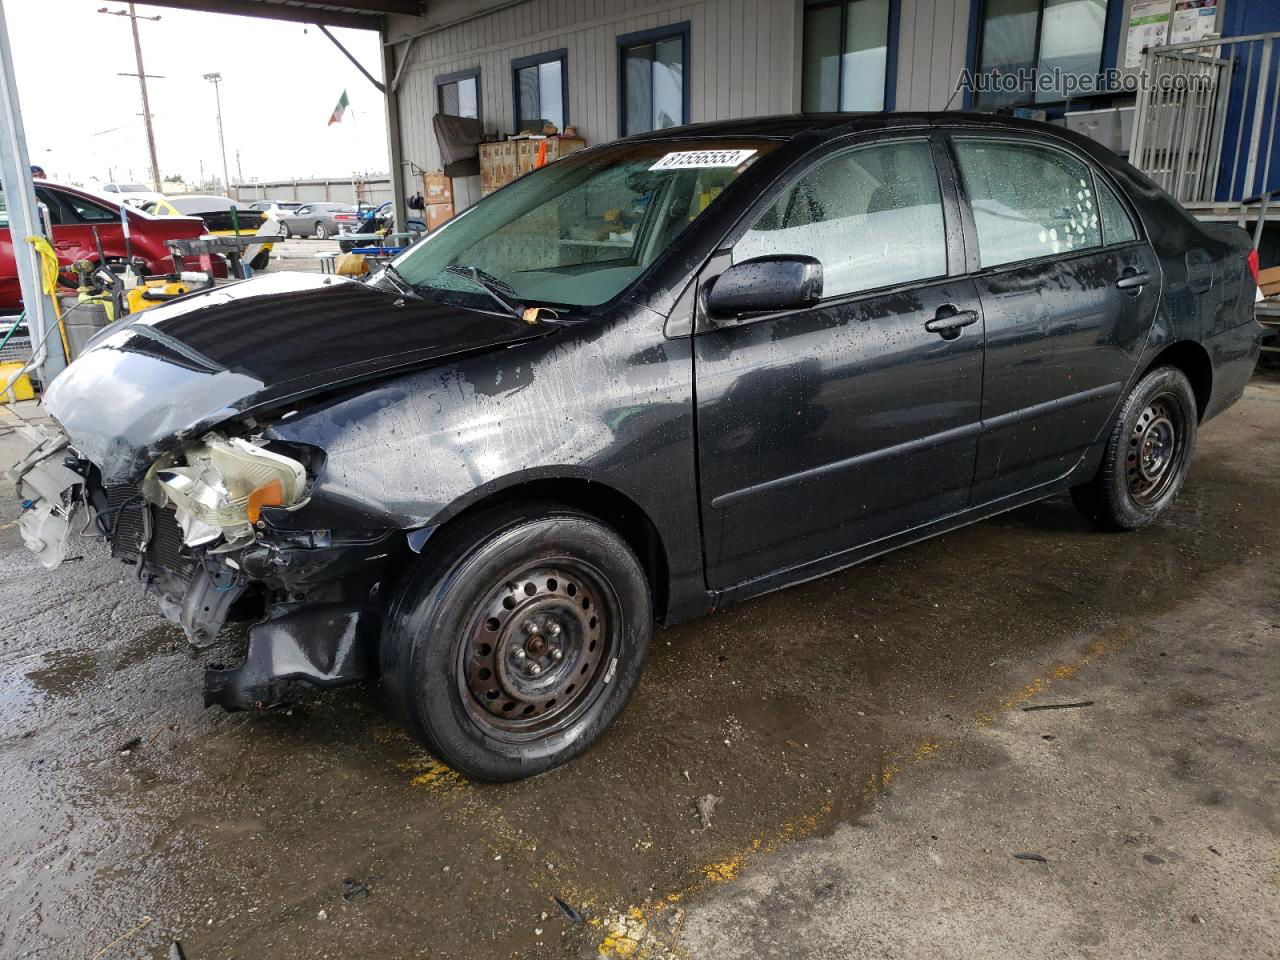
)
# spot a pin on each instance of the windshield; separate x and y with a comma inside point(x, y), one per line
point(580, 230)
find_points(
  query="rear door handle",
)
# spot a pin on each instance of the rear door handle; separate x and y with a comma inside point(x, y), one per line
point(1131, 279)
point(949, 319)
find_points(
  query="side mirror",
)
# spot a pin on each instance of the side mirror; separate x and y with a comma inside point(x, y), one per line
point(766, 285)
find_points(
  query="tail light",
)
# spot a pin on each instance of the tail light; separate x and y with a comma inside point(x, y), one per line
point(1252, 260)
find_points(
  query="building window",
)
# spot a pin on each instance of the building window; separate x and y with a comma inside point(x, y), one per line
point(541, 91)
point(458, 94)
point(1029, 49)
point(653, 77)
point(846, 55)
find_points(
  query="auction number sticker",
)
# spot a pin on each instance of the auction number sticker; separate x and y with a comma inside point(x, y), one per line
point(702, 159)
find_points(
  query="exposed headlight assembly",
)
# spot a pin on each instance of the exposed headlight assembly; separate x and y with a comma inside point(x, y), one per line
point(224, 486)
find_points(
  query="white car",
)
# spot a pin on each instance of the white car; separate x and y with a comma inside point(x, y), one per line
point(134, 194)
point(274, 209)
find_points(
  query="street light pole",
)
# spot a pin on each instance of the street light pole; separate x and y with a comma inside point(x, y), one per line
point(216, 79)
point(142, 83)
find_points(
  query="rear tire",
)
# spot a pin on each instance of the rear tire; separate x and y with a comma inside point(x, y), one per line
point(322, 232)
point(517, 639)
point(285, 232)
point(1147, 456)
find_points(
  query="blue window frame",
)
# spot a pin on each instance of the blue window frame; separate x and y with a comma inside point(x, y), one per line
point(1028, 43)
point(653, 79)
point(540, 90)
point(850, 55)
point(458, 94)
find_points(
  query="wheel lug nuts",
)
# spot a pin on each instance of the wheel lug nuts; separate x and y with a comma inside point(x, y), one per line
point(553, 629)
point(530, 627)
point(557, 654)
point(535, 670)
point(519, 654)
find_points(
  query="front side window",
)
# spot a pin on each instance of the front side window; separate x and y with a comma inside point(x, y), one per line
point(458, 94)
point(872, 216)
point(846, 55)
point(577, 232)
point(541, 91)
point(655, 79)
point(1029, 48)
point(1028, 200)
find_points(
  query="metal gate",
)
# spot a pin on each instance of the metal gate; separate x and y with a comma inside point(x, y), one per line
point(1206, 118)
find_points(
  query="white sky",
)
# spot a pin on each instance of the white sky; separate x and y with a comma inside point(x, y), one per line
point(84, 123)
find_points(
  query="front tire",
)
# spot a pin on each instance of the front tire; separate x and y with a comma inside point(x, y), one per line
point(1147, 456)
point(518, 639)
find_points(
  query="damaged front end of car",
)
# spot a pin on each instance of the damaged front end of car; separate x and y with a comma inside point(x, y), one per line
point(197, 534)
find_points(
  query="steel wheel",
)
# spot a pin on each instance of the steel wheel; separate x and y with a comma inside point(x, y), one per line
point(540, 651)
point(1155, 449)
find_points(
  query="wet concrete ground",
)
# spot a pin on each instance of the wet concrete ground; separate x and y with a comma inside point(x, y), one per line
point(843, 724)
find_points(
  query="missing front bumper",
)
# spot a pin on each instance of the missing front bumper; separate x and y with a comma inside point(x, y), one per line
point(325, 645)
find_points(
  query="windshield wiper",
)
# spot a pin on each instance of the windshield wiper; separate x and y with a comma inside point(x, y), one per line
point(490, 284)
point(399, 281)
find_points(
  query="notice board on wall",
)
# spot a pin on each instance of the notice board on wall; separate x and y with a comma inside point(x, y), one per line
point(1155, 23)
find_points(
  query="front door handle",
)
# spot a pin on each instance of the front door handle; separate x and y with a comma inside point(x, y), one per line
point(949, 319)
point(1132, 279)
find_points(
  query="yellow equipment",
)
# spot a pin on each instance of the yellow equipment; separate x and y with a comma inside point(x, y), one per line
point(153, 293)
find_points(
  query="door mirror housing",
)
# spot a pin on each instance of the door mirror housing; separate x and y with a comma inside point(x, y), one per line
point(766, 285)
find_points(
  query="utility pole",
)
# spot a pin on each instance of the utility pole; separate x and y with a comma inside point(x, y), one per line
point(216, 79)
point(132, 14)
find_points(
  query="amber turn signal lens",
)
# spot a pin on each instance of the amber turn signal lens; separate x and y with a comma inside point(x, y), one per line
point(268, 495)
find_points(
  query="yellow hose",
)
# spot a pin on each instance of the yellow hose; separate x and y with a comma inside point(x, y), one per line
point(49, 274)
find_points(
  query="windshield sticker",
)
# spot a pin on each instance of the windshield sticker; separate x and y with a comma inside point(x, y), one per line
point(702, 159)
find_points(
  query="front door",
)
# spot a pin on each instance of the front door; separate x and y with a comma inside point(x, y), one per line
point(1069, 293)
point(825, 429)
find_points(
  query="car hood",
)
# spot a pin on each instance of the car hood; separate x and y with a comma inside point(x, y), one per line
point(177, 370)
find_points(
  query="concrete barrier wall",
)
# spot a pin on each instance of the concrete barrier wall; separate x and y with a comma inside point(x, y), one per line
point(376, 190)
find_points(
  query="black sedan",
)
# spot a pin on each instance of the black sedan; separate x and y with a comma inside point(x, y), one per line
point(646, 381)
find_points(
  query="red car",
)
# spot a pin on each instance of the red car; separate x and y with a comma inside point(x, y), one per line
point(74, 214)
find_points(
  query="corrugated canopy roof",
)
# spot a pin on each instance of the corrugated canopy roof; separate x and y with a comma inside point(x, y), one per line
point(335, 13)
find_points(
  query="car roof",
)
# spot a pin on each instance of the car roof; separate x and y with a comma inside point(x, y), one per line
point(787, 126)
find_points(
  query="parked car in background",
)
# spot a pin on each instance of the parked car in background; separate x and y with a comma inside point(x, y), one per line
point(221, 216)
point(274, 209)
point(79, 221)
point(319, 220)
point(646, 381)
point(134, 194)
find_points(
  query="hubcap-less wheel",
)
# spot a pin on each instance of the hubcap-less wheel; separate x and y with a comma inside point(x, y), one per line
point(1155, 447)
point(321, 232)
point(540, 651)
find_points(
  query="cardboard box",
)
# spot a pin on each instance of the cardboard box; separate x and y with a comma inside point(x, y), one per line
point(500, 163)
point(437, 188)
point(1269, 281)
point(438, 214)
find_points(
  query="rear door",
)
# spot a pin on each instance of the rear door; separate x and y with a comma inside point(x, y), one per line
point(75, 220)
point(1069, 291)
point(823, 429)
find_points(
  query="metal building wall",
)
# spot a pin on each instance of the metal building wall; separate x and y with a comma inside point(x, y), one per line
point(744, 60)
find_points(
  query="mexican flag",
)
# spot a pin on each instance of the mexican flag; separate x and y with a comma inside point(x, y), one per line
point(340, 109)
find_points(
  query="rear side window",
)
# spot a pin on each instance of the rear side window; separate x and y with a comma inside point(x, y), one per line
point(1028, 200)
point(89, 212)
point(872, 216)
point(1116, 225)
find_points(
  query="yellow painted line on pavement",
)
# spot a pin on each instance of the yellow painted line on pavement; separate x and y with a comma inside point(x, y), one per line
point(651, 930)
